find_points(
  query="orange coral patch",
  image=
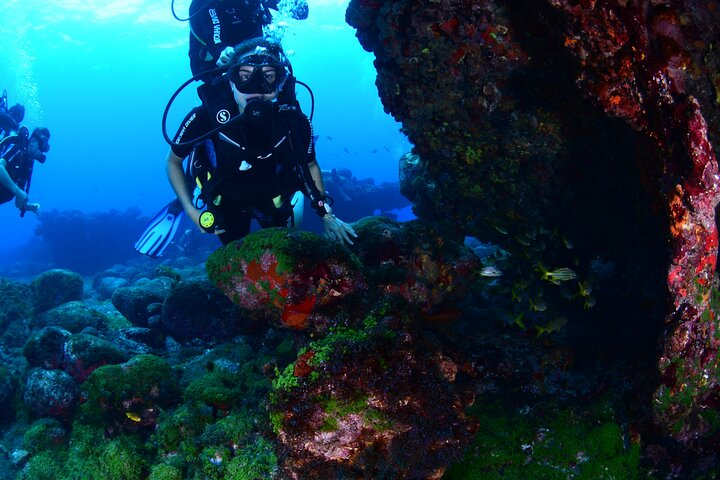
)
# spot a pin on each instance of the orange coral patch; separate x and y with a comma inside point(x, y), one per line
point(295, 316)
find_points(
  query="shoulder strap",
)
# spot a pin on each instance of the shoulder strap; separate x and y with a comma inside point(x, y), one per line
point(290, 118)
point(9, 140)
point(197, 37)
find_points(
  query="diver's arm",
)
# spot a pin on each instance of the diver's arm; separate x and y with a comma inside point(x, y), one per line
point(21, 197)
point(316, 175)
point(5, 179)
point(176, 176)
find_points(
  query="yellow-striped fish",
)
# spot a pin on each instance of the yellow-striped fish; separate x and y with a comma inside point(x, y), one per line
point(553, 325)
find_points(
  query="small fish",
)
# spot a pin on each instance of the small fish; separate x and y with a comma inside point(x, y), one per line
point(589, 302)
point(517, 288)
point(553, 325)
point(133, 416)
point(585, 288)
point(315, 138)
point(556, 276)
point(490, 271)
point(523, 241)
point(386, 149)
point(568, 243)
point(374, 150)
point(538, 305)
point(519, 320)
point(500, 229)
point(328, 137)
point(346, 150)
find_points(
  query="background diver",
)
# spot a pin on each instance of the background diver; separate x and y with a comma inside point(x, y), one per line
point(10, 118)
point(251, 166)
point(216, 26)
point(19, 153)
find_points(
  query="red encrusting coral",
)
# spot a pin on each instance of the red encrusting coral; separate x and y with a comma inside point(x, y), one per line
point(633, 63)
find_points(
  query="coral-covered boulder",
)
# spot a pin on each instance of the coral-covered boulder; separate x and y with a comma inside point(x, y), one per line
point(44, 434)
point(72, 316)
point(288, 277)
point(414, 262)
point(46, 348)
point(105, 286)
point(55, 287)
point(85, 353)
point(51, 393)
point(379, 401)
point(135, 302)
point(197, 309)
point(130, 396)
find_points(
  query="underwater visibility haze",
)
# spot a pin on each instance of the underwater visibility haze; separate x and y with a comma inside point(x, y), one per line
point(99, 74)
point(550, 311)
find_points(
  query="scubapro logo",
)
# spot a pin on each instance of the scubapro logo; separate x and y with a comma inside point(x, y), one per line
point(222, 116)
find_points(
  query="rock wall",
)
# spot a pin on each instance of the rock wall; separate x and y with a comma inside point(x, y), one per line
point(597, 119)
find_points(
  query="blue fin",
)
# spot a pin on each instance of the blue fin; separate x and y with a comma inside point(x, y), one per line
point(161, 230)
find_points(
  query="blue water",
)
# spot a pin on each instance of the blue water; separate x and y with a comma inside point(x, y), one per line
point(98, 74)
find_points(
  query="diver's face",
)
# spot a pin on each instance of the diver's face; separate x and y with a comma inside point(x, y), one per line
point(34, 149)
point(244, 75)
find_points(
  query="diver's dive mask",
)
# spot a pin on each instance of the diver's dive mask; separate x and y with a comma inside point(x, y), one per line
point(258, 80)
point(43, 143)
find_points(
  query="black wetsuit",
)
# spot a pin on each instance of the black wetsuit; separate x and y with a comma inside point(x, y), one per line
point(7, 125)
point(19, 167)
point(217, 24)
point(256, 164)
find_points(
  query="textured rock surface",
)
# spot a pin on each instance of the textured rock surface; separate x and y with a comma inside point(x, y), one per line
point(196, 309)
point(594, 119)
point(291, 278)
point(55, 287)
point(382, 400)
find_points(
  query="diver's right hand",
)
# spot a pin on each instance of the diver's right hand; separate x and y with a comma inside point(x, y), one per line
point(225, 55)
point(33, 207)
point(336, 229)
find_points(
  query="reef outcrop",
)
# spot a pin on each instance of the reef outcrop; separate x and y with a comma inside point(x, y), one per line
point(375, 393)
point(597, 120)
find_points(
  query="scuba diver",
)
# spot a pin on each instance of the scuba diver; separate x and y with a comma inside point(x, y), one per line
point(216, 26)
point(248, 158)
point(10, 118)
point(19, 153)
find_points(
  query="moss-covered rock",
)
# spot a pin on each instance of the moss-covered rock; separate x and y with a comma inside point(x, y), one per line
point(414, 262)
point(549, 442)
point(55, 287)
point(45, 434)
point(130, 396)
point(288, 277)
point(72, 316)
point(379, 400)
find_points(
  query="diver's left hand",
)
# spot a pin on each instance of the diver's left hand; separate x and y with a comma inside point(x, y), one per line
point(224, 59)
point(336, 229)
